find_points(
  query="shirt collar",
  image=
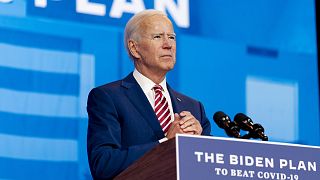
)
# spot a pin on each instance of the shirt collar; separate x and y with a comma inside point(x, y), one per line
point(147, 84)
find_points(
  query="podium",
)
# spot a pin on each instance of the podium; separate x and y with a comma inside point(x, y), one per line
point(202, 157)
point(159, 163)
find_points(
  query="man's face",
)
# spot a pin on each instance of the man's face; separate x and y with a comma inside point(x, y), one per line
point(156, 46)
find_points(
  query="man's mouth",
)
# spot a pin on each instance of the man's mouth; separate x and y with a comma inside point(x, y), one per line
point(166, 55)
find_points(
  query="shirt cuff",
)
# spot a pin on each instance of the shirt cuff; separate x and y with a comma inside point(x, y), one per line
point(163, 140)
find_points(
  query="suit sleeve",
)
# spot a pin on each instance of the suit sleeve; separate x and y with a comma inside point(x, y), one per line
point(205, 123)
point(106, 156)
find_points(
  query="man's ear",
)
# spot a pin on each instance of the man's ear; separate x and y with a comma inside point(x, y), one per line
point(132, 46)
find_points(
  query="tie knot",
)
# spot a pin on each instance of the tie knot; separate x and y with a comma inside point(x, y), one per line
point(157, 88)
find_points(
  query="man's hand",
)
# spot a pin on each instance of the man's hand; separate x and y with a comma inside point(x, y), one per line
point(189, 124)
point(184, 123)
point(175, 127)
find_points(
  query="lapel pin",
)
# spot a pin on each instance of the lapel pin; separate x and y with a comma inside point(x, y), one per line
point(179, 99)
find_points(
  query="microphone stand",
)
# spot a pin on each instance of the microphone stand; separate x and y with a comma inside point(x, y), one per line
point(249, 136)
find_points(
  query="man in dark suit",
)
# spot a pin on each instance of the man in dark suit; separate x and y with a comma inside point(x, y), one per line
point(129, 117)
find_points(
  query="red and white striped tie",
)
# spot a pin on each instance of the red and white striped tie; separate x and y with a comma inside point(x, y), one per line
point(161, 108)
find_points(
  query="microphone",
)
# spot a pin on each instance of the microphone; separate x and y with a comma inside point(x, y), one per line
point(258, 132)
point(244, 122)
point(224, 122)
point(221, 119)
point(255, 130)
point(233, 130)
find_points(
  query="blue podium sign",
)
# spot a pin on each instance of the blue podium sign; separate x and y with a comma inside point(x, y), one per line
point(200, 157)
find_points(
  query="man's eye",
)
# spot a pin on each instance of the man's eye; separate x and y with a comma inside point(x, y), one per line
point(172, 37)
point(156, 37)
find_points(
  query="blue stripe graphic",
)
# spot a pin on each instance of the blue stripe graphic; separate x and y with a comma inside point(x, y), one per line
point(42, 60)
point(39, 126)
point(41, 41)
point(21, 102)
point(45, 149)
point(35, 81)
point(44, 85)
point(28, 169)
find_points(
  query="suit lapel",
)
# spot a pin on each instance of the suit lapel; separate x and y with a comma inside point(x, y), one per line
point(141, 103)
point(177, 101)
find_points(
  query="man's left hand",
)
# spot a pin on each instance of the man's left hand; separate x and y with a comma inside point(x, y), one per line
point(189, 123)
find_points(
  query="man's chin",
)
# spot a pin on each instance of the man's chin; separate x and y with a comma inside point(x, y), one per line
point(169, 68)
point(168, 65)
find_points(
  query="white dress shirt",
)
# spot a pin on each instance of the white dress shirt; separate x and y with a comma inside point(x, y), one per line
point(147, 86)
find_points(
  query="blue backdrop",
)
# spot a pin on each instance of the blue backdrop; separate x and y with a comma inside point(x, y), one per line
point(256, 57)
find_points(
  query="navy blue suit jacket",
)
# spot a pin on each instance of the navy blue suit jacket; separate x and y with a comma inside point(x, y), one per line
point(123, 126)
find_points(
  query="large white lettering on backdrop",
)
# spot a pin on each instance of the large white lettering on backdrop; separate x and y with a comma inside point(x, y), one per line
point(6, 1)
point(121, 6)
point(86, 7)
point(178, 10)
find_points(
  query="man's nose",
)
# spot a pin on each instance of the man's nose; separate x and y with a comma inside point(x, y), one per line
point(167, 44)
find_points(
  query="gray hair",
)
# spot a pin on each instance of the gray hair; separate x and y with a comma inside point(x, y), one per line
point(132, 27)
